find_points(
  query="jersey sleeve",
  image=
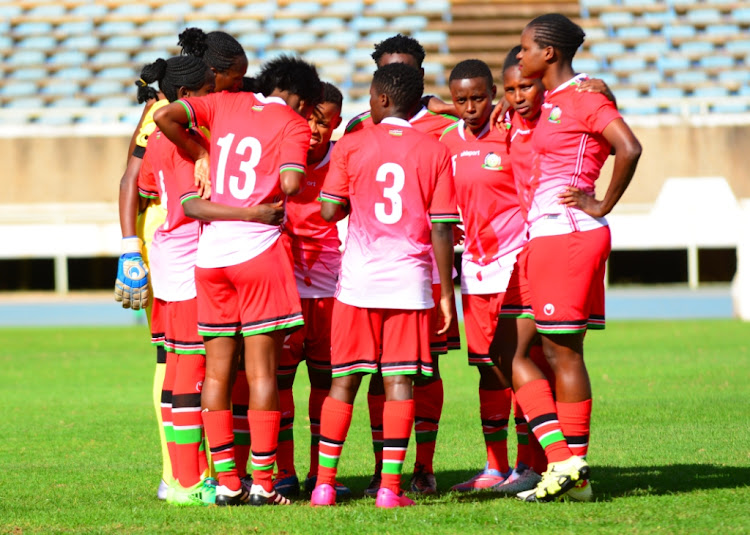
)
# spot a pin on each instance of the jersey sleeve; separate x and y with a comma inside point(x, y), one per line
point(600, 111)
point(200, 110)
point(357, 123)
point(444, 207)
point(336, 184)
point(296, 142)
point(184, 177)
point(147, 180)
point(148, 126)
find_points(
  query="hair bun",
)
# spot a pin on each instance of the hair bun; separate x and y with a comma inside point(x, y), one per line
point(193, 42)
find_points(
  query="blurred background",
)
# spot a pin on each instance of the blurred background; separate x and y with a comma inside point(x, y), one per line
point(680, 72)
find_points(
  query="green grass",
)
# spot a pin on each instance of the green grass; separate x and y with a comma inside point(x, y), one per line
point(670, 446)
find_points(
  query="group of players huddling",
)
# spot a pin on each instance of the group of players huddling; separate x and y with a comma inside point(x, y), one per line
point(231, 196)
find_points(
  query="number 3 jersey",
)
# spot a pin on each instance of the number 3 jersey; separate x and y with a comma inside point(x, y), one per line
point(392, 177)
point(253, 139)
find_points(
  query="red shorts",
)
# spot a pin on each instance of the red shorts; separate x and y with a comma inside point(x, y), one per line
point(517, 300)
point(567, 280)
point(480, 321)
point(254, 297)
point(313, 341)
point(158, 326)
point(181, 332)
point(358, 334)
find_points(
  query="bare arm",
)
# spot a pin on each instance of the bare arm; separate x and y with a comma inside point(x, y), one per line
point(203, 210)
point(291, 181)
point(331, 211)
point(627, 152)
point(442, 245)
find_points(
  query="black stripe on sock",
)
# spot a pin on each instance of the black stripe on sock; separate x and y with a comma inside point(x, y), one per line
point(331, 441)
point(219, 449)
point(166, 396)
point(161, 355)
point(396, 442)
point(577, 441)
point(422, 419)
point(495, 423)
point(539, 420)
point(182, 401)
point(286, 421)
point(262, 453)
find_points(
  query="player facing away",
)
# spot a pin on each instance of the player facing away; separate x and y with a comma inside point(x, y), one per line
point(244, 275)
point(167, 176)
point(224, 55)
point(392, 180)
point(494, 235)
point(428, 391)
point(573, 137)
point(315, 248)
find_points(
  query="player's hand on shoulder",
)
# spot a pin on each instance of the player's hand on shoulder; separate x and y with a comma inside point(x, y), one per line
point(131, 285)
point(500, 117)
point(575, 198)
point(597, 85)
point(202, 176)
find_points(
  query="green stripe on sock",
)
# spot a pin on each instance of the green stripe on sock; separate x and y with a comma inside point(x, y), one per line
point(392, 467)
point(188, 436)
point(168, 433)
point(426, 436)
point(553, 437)
point(224, 466)
point(264, 467)
point(328, 462)
point(242, 439)
point(286, 435)
point(497, 436)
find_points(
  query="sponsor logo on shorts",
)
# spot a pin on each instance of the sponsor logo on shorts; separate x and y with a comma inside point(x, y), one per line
point(199, 386)
point(549, 309)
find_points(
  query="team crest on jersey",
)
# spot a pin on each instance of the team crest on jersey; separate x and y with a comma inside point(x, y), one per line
point(492, 162)
point(258, 108)
point(396, 133)
point(554, 115)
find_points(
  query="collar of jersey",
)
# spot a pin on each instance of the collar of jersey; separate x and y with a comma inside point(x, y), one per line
point(395, 121)
point(417, 116)
point(462, 129)
point(577, 78)
point(327, 158)
point(270, 100)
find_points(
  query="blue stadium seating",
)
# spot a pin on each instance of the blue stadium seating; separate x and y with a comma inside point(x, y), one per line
point(28, 73)
point(81, 42)
point(110, 57)
point(26, 57)
point(26, 103)
point(32, 28)
point(23, 88)
point(103, 87)
point(37, 42)
point(61, 88)
point(74, 73)
point(68, 57)
point(75, 27)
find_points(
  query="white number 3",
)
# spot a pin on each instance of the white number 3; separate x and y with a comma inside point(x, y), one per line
point(391, 193)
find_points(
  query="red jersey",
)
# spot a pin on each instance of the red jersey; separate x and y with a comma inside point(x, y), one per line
point(253, 139)
point(167, 174)
point(522, 157)
point(569, 150)
point(396, 180)
point(315, 241)
point(487, 196)
point(424, 120)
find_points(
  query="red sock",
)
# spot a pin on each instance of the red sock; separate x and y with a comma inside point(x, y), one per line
point(218, 426)
point(285, 452)
point(186, 417)
point(240, 399)
point(166, 410)
point(428, 406)
point(525, 455)
point(494, 410)
point(335, 419)
point(398, 419)
point(575, 421)
point(264, 428)
point(315, 405)
point(535, 398)
point(375, 404)
point(538, 458)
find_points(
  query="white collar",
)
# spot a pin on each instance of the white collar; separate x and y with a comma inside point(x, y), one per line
point(417, 116)
point(270, 100)
point(576, 78)
point(396, 121)
point(461, 132)
point(327, 157)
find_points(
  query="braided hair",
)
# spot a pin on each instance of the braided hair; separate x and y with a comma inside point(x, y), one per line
point(402, 83)
point(511, 60)
point(291, 74)
point(218, 49)
point(180, 71)
point(559, 32)
point(472, 68)
point(399, 44)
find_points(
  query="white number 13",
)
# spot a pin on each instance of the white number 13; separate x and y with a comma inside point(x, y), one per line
point(391, 193)
point(247, 166)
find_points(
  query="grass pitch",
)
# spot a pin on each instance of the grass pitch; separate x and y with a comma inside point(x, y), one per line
point(670, 445)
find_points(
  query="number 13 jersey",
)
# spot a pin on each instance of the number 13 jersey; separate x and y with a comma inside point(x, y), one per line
point(392, 177)
point(253, 139)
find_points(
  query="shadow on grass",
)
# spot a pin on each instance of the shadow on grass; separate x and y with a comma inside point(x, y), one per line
point(609, 482)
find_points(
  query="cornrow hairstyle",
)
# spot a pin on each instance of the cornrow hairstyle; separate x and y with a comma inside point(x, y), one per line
point(511, 60)
point(399, 44)
point(402, 83)
point(218, 49)
point(472, 68)
point(172, 74)
point(332, 94)
point(559, 32)
point(291, 74)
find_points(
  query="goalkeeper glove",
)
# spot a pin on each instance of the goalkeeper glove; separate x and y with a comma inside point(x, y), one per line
point(131, 286)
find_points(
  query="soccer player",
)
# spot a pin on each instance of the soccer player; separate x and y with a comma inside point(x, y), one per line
point(572, 139)
point(315, 247)
point(221, 51)
point(244, 275)
point(390, 178)
point(495, 234)
point(428, 391)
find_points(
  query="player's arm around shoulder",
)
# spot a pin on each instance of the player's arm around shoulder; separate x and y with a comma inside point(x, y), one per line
point(334, 195)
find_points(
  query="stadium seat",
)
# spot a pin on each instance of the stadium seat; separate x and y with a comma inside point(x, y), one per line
point(81, 42)
point(639, 107)
point(716, 63)
point(627, 64)
point(114, 27)
point(689, 79)
point(729, 106)
point(738, 48)
point(38, 42)
point(110, 57)
point(711, 92)
point(124, 42)
point(343, 40)
point(633, 34)
point(211, 9)
point(114, 102)
point(586, 65)
point(205, 24)
point(651, 49)
point(703, 16)
point(345, 8)
point(672, 63)
point(26, 103)
point(431, 38)
point(74, 73)
point(89, 10)
point(738, 76)
point(360, 56)
point(325, 25)
point(240, 26)
point(433, 7)
point(149, 56)
point(32, 28)
point(9, 10)
point(387, 7)
point(75, 27)
point(61, 88)
point(117, 73)
point(657, 19)
point(31, 73)
point(68, 57)
point(255, 40)
point(679, 33)
point(674, 94)
point(408, 23)
point(302, 10)
point(167, 41)
point(337, 73)
point(696, 49)
point(132, 9)
point(607, 49)
point(23, 88)
point(282, 26)
point(645, 79)
point(721, 31)
point(320, 56)
point(25, 57)
point(297, 40)
point(69, 102)
point(158, 27)
point(103, 87)
point(364, 24)
point(259, 10)
point(614, 19)
point(741, 15)
point(174, 9)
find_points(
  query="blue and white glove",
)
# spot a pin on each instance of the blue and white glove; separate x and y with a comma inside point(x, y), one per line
point(131, 286)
